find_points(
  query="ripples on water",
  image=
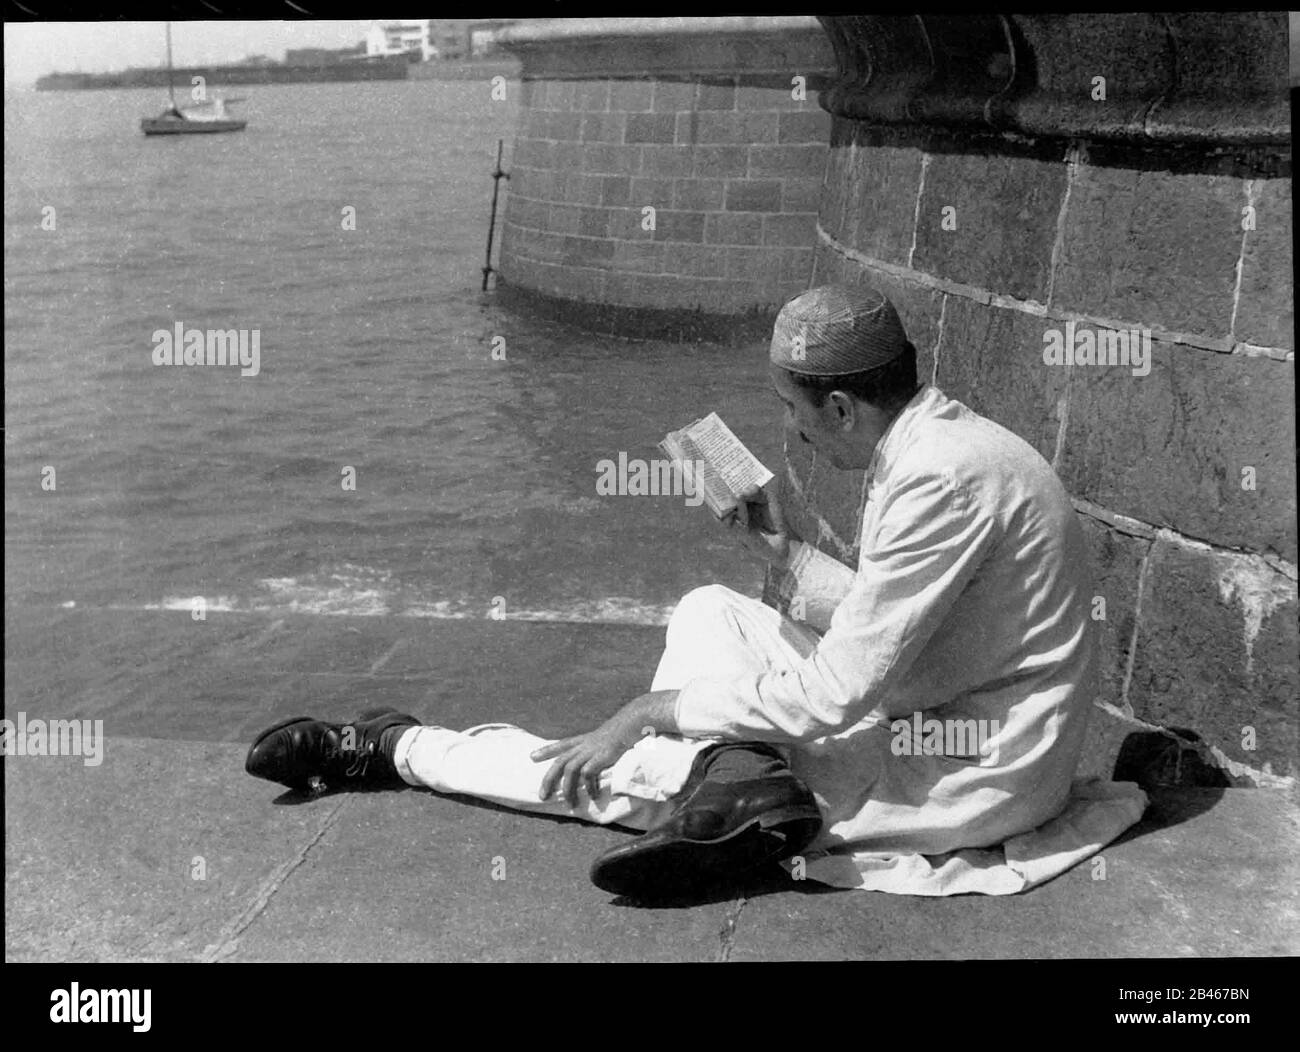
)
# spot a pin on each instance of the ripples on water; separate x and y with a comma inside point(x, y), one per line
point(475, 478)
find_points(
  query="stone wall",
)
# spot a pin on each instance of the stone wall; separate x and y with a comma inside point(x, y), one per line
point(974, 178)
point(704, 125)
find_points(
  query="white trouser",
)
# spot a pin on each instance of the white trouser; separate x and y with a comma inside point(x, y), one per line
point(713, 632)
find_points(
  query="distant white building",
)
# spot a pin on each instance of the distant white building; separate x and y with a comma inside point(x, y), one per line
point(445, 38)
point(402, 38)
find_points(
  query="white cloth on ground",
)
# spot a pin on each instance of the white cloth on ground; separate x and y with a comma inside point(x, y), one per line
point(716, 627)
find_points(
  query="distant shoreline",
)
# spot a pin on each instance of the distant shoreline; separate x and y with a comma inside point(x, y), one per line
point(229, 76)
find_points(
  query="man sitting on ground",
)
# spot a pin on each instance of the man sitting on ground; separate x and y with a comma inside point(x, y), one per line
point(774, 736)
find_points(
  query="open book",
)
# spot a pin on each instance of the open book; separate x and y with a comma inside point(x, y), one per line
point(716, 462)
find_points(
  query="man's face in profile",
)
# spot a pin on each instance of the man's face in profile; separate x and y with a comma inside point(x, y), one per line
point(843, 430)
point(803, 418)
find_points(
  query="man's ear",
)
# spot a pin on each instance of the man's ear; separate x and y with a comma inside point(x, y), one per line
point(844, 408)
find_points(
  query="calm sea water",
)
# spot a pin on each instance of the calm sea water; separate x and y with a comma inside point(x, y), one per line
point(475, 478)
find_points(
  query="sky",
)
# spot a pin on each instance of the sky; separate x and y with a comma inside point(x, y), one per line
point(32, 49)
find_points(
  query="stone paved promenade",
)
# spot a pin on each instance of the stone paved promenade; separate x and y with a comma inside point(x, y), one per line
point(99, 860)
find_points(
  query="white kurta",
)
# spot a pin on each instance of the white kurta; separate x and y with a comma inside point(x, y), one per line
point(971, 601)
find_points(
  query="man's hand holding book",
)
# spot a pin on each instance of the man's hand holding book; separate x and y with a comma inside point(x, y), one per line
point(764, 531)
point(735, 484)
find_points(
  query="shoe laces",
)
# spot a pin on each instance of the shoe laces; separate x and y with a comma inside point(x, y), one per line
point(358, 755)
point(362, 755)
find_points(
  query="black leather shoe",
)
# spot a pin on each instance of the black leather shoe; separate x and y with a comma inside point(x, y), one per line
point(312, 755)
point(722, 830)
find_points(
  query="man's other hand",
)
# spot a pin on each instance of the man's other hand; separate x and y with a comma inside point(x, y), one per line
point(763, 527)
point(582, 759)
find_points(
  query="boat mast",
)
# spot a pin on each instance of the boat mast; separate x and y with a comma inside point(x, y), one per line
point(171, 92)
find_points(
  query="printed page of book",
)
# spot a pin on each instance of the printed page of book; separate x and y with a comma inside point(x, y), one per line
point(727, 455)
point(717, 494)
point(696, 469)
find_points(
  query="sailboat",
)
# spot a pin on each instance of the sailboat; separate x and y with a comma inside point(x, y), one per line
point(205, 119)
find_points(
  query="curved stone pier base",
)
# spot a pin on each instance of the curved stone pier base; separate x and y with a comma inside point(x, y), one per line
point(666, 165)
